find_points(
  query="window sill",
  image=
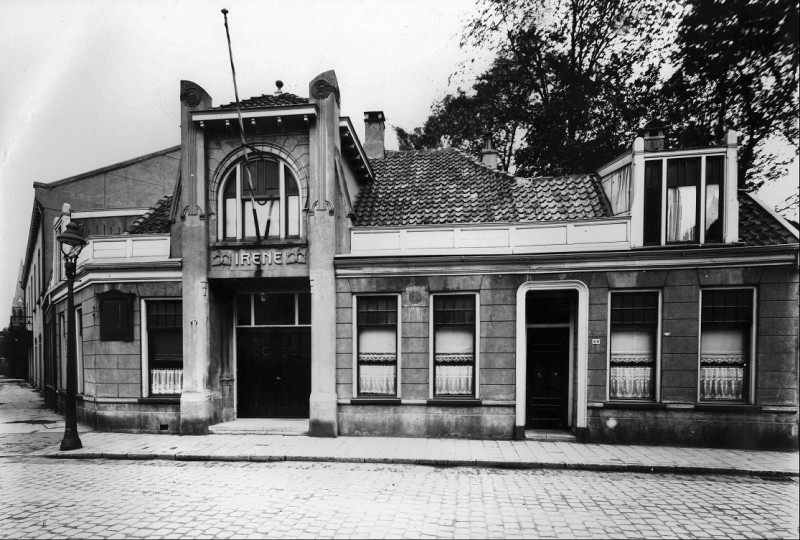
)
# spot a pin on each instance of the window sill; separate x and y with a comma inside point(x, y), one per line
point(728, 407)
point(270, 243)
point(646, 405)
point(454, 402)
point(160, 400)
point(375, 401)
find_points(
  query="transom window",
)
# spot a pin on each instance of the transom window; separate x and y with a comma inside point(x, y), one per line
point(277, 201)
point(688, 207)
point(634, 338)
point(725, 344)
point(273, 309)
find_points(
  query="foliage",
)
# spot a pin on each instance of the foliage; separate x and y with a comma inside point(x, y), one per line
point(572, 80)
point(737, 68)
point(567, 86)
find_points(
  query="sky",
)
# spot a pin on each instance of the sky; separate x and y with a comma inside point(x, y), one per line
point(85, 84)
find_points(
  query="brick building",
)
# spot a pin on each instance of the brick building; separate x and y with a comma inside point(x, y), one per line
point(417, 293)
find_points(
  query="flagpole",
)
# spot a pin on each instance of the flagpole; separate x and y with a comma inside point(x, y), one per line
point(241, 132)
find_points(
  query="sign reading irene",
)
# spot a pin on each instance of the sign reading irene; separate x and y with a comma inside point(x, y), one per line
point(250, 258)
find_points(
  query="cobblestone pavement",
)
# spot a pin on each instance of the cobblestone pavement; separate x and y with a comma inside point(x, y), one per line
point(45, 498)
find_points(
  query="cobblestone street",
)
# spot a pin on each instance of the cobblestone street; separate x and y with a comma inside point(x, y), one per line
point(41, 498)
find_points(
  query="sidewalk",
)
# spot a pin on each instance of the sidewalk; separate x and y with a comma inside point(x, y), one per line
point(399, 450)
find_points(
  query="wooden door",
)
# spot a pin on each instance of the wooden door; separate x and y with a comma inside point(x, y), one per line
point(547, 378)
point(273, 372)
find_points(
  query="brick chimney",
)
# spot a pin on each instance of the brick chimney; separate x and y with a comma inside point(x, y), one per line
point(374, 126)
point(489, 156)
point(654, 134)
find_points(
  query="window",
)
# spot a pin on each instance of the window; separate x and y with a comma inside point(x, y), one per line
point(633, 345)
point(377, 345)
point(725, 341)
point(273, 309)
point(688, 206)
point(79, 347)
point(165, 346)
point(454, 347)
point(277, 201)
point(116, 316)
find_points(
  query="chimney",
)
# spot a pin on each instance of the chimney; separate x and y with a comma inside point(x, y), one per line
point(373, 134)
point(489, 156)
point(654, 134)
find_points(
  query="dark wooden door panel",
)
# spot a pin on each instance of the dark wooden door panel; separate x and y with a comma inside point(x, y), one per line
point(547, 378)
point(274, 372)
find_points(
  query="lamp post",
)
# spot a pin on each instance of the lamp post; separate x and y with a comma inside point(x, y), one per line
point(74, 242)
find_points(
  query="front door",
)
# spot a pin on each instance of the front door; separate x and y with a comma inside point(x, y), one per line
point(273, 372)
point(547, 378)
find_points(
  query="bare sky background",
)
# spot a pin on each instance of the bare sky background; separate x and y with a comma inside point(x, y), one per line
point(85, 84)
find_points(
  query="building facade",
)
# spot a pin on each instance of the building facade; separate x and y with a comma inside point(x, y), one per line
point(305, 275)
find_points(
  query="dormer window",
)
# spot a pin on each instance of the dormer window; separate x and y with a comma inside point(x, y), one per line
point(276, 193)
point(687, 208)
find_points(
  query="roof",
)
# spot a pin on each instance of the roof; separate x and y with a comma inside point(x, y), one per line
point(427, 187)
point(156, 220)
point(267, 100)
point(758, 227)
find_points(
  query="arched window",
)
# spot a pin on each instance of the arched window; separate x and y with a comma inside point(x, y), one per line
point(277, 201)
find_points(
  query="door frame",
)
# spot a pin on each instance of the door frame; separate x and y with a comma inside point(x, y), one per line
point(582, 322)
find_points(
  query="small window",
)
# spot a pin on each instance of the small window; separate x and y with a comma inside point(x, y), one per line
point(652, 202)
point(683, 177)
point(116, 316)
point(714, 199)
point(454, 344)
point(165, 346)
point(376, 323)
point(633, 343)
point(726, 333)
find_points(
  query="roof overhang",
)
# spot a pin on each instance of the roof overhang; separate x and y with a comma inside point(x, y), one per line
point(353, 151)
point(36, 219)
point(271, 112)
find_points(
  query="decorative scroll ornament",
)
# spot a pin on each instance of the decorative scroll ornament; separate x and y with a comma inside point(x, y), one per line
point(191, 97)
point(322, 89)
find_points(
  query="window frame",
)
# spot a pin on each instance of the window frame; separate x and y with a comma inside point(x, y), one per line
point(234, 174)
point(658, 347)
point(145, 343)
point(432, 347)
point(398, 336)
point(750, 372)
point(700, 203)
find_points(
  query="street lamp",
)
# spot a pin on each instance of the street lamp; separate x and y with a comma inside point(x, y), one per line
point(73, 241)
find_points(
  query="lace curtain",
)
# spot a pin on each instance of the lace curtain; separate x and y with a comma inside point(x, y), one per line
point(166, 381)
point(632, 373)
point(377, 359)
point(723, 359)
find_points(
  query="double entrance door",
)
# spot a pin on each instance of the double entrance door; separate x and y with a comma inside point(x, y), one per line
point(273, 372)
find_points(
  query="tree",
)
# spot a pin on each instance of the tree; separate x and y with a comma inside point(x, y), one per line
point(567, 87)
point(737, 68)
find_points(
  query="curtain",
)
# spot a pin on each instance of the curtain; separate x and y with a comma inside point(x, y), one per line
point(166, 381)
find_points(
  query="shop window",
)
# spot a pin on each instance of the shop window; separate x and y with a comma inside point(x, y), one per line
point(273, 309)
point(633, 345)
point(377, 345)
point(276, 194)
point(116, 316)
point(725, 343)
point(454, 345)
point(687, 191)
point(165, 346)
